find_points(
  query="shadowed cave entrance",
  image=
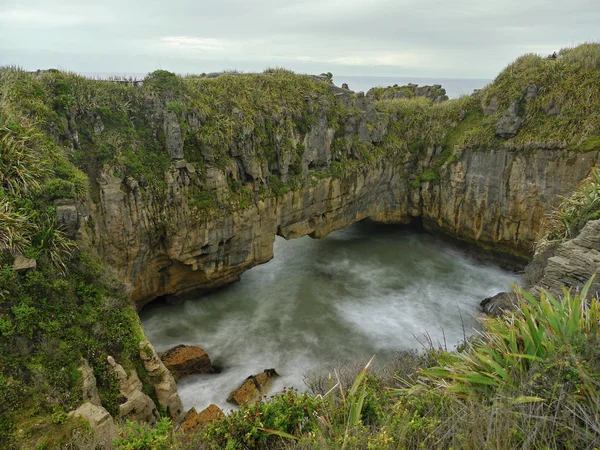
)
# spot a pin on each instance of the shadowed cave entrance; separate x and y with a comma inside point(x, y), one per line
point(367, 289)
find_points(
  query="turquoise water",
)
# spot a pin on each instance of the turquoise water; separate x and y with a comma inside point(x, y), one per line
point(366, 290)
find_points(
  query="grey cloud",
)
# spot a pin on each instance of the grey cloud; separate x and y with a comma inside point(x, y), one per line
point(464, 38)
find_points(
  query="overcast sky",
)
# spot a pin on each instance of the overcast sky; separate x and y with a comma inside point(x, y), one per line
point(425, 38)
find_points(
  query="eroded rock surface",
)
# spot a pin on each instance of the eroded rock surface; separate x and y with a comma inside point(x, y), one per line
point(166, 246)
point(499, 304)
point(255, 387)
point(195, 421)
point(573, 263)
point(101, 423)
point(162, 380)
point(185, 360)
point(137, 406)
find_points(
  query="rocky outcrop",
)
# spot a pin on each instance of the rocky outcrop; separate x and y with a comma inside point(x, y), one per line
point(509, 124)
point(23, 264)
point(573, 264)
point(253, 389)
point(185, 360)
point(164, 384)
point(89, 387)
point(137, 406)
point(195, 421)
point(162, 246)
point(433, 92)
point(101, 423)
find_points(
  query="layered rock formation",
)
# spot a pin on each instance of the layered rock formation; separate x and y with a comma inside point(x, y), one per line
point(185, 360)
point(495, 197)
point(573, 264)
point(253, 388)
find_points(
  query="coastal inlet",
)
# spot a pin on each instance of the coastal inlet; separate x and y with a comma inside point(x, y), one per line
point(362, 291)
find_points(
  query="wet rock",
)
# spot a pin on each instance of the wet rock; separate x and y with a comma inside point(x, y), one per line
point(101, 423)
point(137, 406)
point(186, 360)
point(163, 381)
point(253, 388)
point(23, 264)
point(499, 304)
point(195, 421)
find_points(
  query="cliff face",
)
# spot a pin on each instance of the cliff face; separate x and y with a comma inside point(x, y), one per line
point(495, 197)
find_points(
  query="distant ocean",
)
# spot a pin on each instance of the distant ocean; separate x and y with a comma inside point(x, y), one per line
point(455, 87)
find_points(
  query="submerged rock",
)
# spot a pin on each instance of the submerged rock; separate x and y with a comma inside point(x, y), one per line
point(194, 421)
point(185, 360)
point(253, 388)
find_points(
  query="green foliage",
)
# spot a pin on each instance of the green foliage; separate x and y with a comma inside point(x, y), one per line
point(277, 186)
point(175, 106)
point(568, 84)
point(574, 212)
point(543, 331)
point(257, 425)
point(161, 80)
point(136, 436)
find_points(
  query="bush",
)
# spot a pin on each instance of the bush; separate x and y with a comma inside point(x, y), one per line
point(252, 426)
point(137, 436)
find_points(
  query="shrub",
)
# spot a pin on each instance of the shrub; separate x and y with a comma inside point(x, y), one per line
point(253, 426)
point(545, 330)
point(161, 80)
point(137, 436)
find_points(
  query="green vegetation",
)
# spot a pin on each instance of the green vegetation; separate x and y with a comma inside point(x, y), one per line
point(67, 309)
point(568, 85)
point(529, 380)
point(567, 220)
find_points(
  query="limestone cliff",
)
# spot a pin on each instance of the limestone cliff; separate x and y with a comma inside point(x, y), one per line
point(493, 196)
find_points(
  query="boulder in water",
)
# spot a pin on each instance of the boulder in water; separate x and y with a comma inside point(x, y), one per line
point(253, 388)
point(185, 360)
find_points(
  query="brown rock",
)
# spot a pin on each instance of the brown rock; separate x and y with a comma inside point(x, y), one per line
point(194, 421)
point(185, 360)
point(253, 388)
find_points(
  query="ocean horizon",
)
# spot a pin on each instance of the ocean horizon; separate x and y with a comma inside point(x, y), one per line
point(455, 87)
